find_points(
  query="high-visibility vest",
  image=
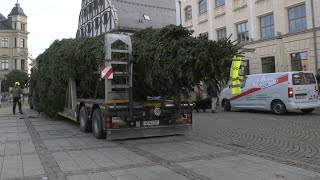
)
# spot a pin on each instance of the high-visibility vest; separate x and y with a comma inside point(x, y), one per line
point(235, 78)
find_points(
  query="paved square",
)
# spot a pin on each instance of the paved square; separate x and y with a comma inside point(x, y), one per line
point(182, 149)
point(32, 148)
point(142, 173)
point(245, 167)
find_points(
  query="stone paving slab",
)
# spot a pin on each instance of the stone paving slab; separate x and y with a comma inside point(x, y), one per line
point(142, 173)
point(99, 158)
point(247, 168)
point(181, 150)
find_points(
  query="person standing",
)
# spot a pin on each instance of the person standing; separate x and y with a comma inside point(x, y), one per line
point(318, 77)
point(213, 94)
point(16, 93)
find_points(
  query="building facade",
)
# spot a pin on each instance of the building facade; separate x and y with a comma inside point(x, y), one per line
point(13, 43)
point(100, 16)
point(285, 35)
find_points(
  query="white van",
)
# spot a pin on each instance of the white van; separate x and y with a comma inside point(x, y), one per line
point(279, 92)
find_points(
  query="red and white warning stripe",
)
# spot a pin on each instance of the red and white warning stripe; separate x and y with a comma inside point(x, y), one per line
point(106, 72)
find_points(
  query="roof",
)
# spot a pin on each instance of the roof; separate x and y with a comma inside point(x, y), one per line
point(6, 24)
point(131, 13)
point(2, 17)
point(17, 11)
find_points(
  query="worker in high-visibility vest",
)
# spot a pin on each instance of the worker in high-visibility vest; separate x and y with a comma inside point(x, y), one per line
point(235, 78)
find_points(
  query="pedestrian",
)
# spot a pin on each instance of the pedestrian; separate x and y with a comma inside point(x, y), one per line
point(213, 94)
point(318, 77)
point(16, 94)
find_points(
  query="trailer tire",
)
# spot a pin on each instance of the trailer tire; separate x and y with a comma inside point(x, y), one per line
point(85, 124)
point(97, 125)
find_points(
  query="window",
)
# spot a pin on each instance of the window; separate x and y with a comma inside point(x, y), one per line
point(268, 65)
point(220, 3)
point(105, 18)
point(15, 64)
point(244, 81)
point(5, 42)
point(102, 3)
point(22, 65)
point(204, 35)
point(303, 78)
point(90, 10)
point(267, 26)
point(299, 61)
point(203, 6)
point(96, 23)
point(243, 32)
point(297, 18)
point(85, 14)
point(15, 42)
point(82, 32)
point(95, 7)
point(245, 67)
point(222, 34)
point(89, 28)
point(4, 64)
point(188, 11)
point(23, 43)
point(23, 27)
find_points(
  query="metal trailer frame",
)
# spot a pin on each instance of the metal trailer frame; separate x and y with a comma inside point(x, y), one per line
point(115, 101)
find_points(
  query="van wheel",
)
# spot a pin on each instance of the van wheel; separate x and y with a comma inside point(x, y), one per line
point(97, 125)
point(226, 105)
point(85, 125)
point(278, 107)
point(306, 111)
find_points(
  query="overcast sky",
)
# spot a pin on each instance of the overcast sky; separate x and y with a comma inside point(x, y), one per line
point(48, 20)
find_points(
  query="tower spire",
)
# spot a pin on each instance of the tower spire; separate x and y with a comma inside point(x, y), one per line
point(17, 4)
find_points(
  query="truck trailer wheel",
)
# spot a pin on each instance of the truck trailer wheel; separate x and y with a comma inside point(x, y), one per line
point(278, 107)
point(97, 125)
point(85, 124)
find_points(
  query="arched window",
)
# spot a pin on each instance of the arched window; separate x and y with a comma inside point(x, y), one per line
point(96, 23)
point(203, 6)
point(102, 3)
point(89, 28)
point(105, 18)
point(90, 9)
point(82, 32)
point(188, 11)
point(95, 7)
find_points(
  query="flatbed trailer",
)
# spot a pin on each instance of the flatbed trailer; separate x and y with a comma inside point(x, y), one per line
point(118, 116)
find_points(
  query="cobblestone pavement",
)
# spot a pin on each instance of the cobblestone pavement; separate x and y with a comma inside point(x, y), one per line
point(36, 147)
point(293, 139)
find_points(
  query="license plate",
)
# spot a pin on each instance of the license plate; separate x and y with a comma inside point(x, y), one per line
point(151, 123)
point(301, 97)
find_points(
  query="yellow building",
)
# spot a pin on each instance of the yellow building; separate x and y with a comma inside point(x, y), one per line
point(284, 33)
point(13, 43)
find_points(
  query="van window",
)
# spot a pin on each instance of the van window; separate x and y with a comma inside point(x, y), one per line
point(303, 79)
point(243, 84)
